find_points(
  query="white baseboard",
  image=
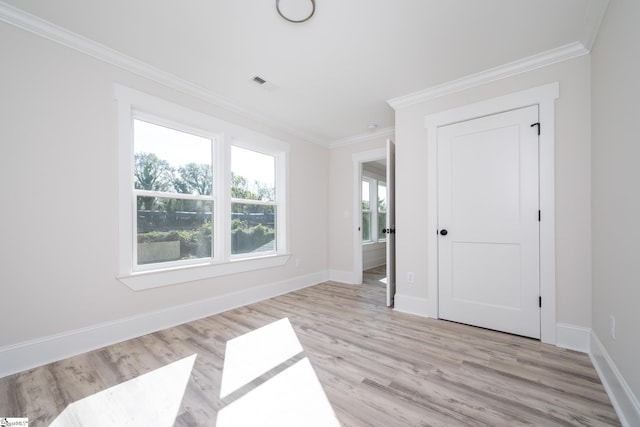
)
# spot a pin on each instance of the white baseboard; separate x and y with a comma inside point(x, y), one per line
point(30, 354)
point(342, 276)
point(573, 337)
point(622, 398)
point(411, 305)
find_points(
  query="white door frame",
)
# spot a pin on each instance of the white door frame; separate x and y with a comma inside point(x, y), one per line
point(544, 97)
point(358, 160)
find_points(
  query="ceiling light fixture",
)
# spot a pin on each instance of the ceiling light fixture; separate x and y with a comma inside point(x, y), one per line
point(297, 21)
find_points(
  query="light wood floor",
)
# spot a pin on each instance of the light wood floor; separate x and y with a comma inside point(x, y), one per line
point(376, 366)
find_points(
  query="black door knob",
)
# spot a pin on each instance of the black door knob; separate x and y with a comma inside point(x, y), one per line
point(444, 232)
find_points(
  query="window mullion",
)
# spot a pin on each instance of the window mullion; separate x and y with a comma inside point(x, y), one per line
point(254, 202)
point(165, 195)
point(223, 240)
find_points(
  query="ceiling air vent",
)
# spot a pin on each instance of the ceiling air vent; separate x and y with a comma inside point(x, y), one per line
point(259, 80)
point(263, 82)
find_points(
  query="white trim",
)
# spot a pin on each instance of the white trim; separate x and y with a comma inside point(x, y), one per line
point(57, 34)
point(412, 305)
point(133, 103)
point(387, 132)
point(358, 159)
point(343, 277)
point(624, 402)
point(544, 97)
point(37, 352)
point(573, 337)
point(150, 279)
point(563, 53)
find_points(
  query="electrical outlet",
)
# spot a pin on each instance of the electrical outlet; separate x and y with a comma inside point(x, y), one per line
point(410, 277)
point(612, 327)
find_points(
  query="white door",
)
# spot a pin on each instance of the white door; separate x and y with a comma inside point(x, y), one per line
point(390, 226)
point(488, 222)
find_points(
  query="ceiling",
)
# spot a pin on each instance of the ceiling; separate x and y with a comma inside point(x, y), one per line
point(330, 77)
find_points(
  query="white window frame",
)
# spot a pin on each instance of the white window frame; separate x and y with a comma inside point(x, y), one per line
point(135, 104)
point(372, 219)
point(374, 233)
point(215, 150)
point(378, 211)
point(280, 158)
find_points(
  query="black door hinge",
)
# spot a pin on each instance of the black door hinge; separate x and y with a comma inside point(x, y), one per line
point(537, 124)
point(540, 302)
point(539, 216)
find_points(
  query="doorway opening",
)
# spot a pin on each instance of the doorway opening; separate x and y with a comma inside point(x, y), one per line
point(374, 215)
point(374, 210)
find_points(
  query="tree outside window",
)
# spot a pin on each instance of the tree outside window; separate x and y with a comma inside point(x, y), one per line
point(253, 202)
point(173, 188)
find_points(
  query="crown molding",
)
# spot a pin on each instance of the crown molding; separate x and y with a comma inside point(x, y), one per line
point(563, 53)
point(26, 21)
point(380, 133)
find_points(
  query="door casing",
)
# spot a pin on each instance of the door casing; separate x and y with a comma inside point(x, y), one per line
point(358, 159)
point(544, 97)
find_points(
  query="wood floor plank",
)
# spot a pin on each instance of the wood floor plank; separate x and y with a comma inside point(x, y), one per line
point(377, 367)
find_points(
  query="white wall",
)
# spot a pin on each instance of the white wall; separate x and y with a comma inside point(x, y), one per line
point(58, 221)
point(616, 194)
point(573, 222)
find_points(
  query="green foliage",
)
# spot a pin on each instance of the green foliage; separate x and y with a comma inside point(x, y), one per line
point(193, 243)
point(151, 173)
point(242, 189)
point(158, 236)
point(366, 226)
point(246, 239)
point(194, 179)
point(155, 174)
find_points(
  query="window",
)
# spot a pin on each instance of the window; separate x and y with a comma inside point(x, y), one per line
point(199, 197)
point(382, 209)
point(173, 189)
point(366, 210)
point(374, 209)
point(253, 206)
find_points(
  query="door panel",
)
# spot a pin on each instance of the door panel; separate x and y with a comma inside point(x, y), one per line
point(391, 222)
point(488, 203)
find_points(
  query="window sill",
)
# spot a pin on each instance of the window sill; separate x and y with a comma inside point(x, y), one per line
point(157, 278)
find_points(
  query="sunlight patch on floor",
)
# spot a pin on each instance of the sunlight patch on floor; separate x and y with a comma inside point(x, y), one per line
point(293, 397)
point(383, 280)
point(255, 353)
point(152, 399)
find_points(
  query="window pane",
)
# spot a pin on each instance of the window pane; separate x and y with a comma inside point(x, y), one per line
point(382, 223)
point(172, 229)
point(382, 198)
point(171, 161)
point(253, 228)
point(365, 195)
point(252, 175)
point(366, 226)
